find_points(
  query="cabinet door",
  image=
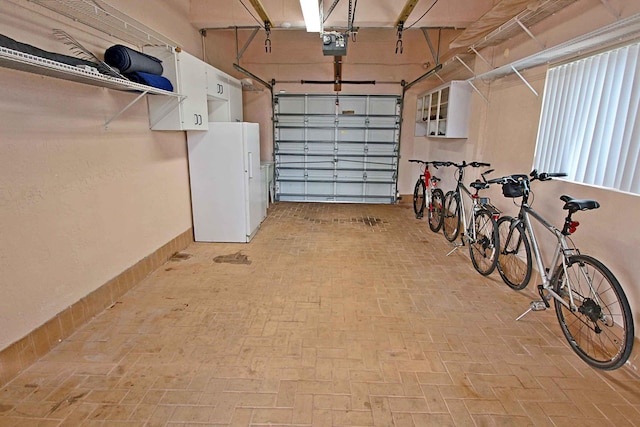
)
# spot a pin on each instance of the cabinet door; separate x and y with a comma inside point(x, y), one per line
point(193, 82)
point(458, 109)
point(422, 115)
point(235, 100)
point(217, 84)
point(187, 75)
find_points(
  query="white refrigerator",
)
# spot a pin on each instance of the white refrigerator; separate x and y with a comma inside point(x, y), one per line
point(226, 184)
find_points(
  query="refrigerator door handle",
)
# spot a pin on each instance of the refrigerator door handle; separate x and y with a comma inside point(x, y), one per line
point(250, 165)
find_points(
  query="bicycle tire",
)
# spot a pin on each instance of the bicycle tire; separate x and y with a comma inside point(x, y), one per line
point(435, 210)
point(451, 216)
point(601, 330)
point(419, 193)
point(515, 263)
point(484, 247)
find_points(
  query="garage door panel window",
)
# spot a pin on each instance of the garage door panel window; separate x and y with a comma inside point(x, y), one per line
point(588, 127)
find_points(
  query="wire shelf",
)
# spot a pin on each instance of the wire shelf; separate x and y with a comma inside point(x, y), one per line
point(101, 16)
point(16, 60)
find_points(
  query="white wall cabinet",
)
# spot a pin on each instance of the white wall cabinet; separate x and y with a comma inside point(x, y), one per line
point(444, 112)
point(210, 94)
point(224, 96)
point(188, 77)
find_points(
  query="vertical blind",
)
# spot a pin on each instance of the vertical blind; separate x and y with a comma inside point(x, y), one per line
point(589, 126)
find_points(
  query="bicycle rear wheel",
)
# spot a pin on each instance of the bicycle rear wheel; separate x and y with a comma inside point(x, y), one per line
point(514, 261)
point(600, 331)
point(484, 247)
point(451, 215)
point(435, 210)
point(419, 192)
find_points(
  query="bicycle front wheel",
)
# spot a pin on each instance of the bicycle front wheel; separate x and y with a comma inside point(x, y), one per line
point(600, 327)
point(514, 262)
point(418, 198)
point(435, 210)
point(451, 216)
point(484, 246)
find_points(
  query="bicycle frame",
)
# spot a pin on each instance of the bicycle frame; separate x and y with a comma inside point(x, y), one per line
point(475, 202)
point(430, 181)
point(471, 225)
point(468, 230)
point(562, 251)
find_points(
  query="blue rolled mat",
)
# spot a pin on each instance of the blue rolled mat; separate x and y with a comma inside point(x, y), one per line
point(130, 61)
point(153, 80)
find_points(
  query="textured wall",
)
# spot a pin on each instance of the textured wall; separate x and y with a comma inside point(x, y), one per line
point(80, 203)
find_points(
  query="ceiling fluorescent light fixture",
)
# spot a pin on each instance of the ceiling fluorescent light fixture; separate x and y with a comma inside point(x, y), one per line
point(311, 14)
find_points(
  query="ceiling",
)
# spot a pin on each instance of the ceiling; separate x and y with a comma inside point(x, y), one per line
point(367, 13)
point(475, 19)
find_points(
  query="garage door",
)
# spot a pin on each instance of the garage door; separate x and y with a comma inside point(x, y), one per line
point(340, 148)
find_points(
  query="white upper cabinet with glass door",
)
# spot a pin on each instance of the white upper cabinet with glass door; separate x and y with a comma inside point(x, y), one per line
point(444, 112)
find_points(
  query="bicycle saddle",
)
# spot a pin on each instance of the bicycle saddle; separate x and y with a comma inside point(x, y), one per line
point(574, 205)
point(479, 185)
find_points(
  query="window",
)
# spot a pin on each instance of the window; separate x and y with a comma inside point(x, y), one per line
point(589, 126)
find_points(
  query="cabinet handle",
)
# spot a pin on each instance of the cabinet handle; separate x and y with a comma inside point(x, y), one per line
point(220, 89)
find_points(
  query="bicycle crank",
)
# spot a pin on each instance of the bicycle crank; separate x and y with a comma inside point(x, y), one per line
point(456, 246)
point(534, 306)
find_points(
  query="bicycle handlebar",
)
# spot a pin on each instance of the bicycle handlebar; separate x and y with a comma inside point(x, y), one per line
point(434, 163)
point(515, 178)
point(545, 176)
point(464, 164)
point(479, 164)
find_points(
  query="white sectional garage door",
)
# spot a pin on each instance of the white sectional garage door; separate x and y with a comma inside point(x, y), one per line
point(340, 148)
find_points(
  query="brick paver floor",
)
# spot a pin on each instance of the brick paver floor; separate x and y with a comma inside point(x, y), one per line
point(334, 315)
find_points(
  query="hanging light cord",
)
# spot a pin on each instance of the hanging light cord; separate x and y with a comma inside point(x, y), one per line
point(423, 15)
point(245, 6)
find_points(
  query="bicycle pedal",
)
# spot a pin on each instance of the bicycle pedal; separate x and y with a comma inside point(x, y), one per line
point(538, 305)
